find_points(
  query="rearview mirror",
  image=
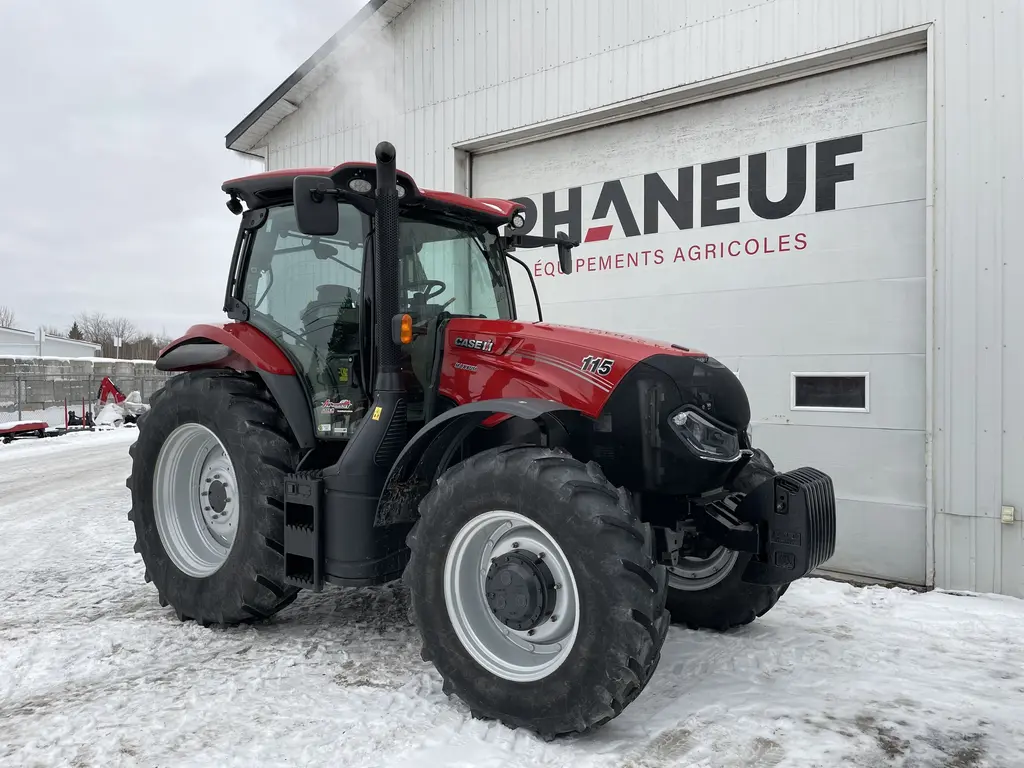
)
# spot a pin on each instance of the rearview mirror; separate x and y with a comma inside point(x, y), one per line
point(316, 206)
point(564, 254)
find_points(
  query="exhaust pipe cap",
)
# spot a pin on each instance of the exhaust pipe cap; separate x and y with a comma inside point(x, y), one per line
point(385, 152)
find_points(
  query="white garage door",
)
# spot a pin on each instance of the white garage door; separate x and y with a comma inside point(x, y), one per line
point(782, 231)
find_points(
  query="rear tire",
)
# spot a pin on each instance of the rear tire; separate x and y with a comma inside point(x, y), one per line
point(598, 550)
point(228, 571)
point(715, 597)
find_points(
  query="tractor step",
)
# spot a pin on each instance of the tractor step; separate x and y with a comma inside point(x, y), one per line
point(796, 515)
point(303, 531)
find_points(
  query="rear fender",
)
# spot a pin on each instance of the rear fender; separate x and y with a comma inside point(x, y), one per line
point(242, 347)
point(430, 451)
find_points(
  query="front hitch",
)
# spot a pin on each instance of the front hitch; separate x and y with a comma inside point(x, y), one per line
point(788, 524)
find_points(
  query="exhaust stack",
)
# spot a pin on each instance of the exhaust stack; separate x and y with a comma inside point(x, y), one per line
point(387, 269)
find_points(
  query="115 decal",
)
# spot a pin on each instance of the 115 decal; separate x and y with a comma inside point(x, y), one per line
point(599, 365)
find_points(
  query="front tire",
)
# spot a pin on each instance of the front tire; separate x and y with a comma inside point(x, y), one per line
point(708, 593)
point(207, 497)
point(589, 593)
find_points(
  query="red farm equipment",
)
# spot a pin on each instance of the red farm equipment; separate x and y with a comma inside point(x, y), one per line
point(553, 496)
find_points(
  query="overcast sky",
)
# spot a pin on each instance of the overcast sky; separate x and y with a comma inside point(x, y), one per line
point(114, 116)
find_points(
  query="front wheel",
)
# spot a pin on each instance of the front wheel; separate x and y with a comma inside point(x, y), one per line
point(705, 590)
point(534, 589)
point(708, 593)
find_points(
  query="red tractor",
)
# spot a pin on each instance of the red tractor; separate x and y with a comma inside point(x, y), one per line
point(553, 496)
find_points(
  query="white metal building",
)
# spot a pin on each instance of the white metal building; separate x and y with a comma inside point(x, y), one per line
point(801, 188)
point(38, 343)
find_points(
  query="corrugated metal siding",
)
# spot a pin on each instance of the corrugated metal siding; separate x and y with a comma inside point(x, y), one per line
point(455, 70)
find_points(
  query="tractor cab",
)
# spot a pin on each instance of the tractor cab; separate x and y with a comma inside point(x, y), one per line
point(313, 294)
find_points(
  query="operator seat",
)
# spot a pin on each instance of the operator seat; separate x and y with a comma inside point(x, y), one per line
point(331, 324)
point(331, 320)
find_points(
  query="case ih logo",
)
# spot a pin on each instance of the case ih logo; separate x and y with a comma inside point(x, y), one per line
point(709, 207)
point(484, 345)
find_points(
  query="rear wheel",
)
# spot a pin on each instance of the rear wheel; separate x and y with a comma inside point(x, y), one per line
point(533, 586)
point(705, 590)
point(207, 497)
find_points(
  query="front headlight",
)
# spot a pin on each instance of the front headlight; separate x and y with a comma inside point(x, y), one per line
point(707, 440)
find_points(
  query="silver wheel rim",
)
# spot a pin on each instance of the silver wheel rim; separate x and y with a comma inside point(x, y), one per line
point(693, 574)
point(195, 500)
point(505, 652)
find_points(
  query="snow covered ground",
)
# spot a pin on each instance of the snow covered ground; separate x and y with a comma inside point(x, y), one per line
point(94, 673)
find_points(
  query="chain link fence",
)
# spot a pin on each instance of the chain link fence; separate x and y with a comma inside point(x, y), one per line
point(42, 395)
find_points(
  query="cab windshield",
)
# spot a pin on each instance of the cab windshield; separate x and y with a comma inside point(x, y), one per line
point(445, 264)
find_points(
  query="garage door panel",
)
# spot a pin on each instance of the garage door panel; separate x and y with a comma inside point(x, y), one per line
point(894, 388)
point(869, 169)
point(879, 95)
point(894, 168)
point(880, 541)
point(882, 242)
point(831, 319)
point(883, 466)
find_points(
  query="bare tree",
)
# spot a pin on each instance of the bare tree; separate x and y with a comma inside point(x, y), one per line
point(100, 329)
point(53, 330)
point(94, 326)
point(125, 329)
point(6, 317)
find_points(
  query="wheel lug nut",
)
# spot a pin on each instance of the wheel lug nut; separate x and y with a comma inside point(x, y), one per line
point(515, 545)
point(554, 616)
point(532, 632)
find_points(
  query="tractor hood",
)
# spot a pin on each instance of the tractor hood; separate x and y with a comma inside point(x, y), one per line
point(582, 368)
point(609, 343)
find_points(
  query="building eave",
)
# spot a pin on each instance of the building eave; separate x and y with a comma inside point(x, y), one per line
point(286, 98)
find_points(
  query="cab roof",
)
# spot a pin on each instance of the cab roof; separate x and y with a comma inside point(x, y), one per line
point(274, 187)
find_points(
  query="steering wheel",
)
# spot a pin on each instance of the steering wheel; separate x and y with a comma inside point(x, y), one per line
point(439, 284)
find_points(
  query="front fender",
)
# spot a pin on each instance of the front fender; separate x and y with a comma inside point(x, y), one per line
point(430, 450)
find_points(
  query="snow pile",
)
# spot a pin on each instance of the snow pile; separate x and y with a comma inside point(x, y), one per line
point(94, 672)
point(109, 416)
